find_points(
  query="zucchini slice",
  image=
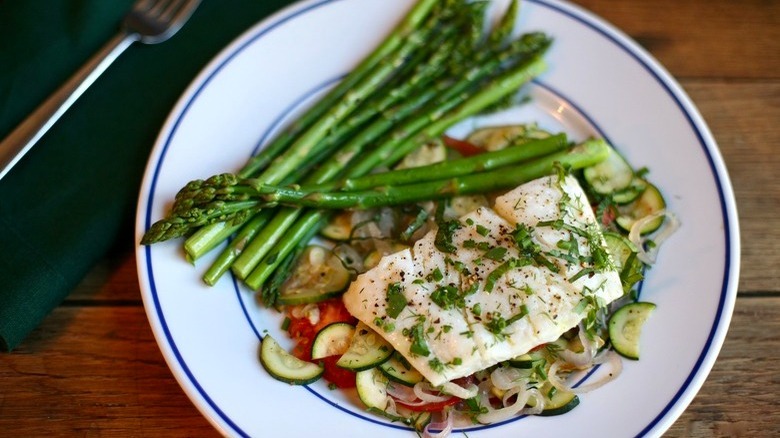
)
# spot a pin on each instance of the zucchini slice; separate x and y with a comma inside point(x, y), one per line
point(649, 202)
point(623, 253)
point(372, 388)
point(318, 276)
point(400, 371)
point(630, 193)
point(339, 228)
point(625, 327)
point(429, 153)
point(493, 138)
point(332, 340)
point(612, 175)
point(373, 258)
point(285, 367)
point(557, 402)
point(367, 350)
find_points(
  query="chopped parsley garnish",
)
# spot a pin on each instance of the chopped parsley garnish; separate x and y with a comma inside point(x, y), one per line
point(497, 324)
point(447, 297)
point(502, 269)
point(443, 239)
point(396, 302)
point(496, 253)
point(419, 345)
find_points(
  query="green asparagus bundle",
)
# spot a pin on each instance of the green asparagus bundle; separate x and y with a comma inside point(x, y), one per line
point(436, 68)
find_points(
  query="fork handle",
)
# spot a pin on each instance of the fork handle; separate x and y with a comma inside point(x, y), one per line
point(24, 136)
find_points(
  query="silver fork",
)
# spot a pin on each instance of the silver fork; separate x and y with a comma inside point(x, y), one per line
point(148, 22)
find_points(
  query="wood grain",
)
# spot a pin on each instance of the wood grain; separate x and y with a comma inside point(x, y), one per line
point(718, 39)
point(94, 371)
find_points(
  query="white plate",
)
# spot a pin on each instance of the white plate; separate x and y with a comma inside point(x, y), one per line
point(599, 83)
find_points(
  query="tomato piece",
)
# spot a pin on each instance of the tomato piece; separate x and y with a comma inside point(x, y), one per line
point(336, 375)
point(430, 407)
point(302, 331)
point(331, 311)
point(465, 148)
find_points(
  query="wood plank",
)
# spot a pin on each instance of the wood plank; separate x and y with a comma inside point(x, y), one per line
point(743, 117)
point(740, 396)
point(97, 371)
point(94, 371)
point(715, 39)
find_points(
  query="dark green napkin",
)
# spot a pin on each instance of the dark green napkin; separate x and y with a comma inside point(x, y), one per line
point(72, 197)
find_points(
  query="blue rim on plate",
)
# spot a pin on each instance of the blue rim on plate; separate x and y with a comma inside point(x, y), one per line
point(730, 230)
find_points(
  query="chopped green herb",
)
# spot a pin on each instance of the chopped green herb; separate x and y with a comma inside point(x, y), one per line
point(419, 345)
point(496, 253)
point(443, 239)
point(482, 230)
point(396, 302)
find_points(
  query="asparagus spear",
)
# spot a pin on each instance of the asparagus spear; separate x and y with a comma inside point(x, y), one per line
point(408, 26)
point(251, 259)
point(204, 240)
point(462, 166)
point(584, 155)
point(259, 247)
point(293, 147)
point(419, 130)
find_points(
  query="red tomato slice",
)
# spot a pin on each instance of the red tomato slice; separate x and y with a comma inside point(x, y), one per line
point(465, 148)
point(303, 331)
point(336, 375)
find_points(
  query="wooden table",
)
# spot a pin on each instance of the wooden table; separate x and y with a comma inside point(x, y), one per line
point(93, 368)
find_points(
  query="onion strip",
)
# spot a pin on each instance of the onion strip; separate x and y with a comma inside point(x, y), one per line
point(615, 365)
point(635, 236)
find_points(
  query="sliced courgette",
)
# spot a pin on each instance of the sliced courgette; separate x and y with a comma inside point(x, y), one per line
point(371, 387)
point(367, 350)
point(557, 402)
point(623, 253)
point(625, 327)
point(339, 228)
point(630, 193)
point(421, 420)
point(493, 138)
point(612, 175)
point(462, 205)
point(285, 367)
point(373, 258)
point(399, 370)
point(318, 276)
point(528, 360)
point(429, 153)
point(649, 202)
point(332, 340)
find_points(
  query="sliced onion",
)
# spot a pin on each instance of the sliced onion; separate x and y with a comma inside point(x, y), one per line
point(585, 358)
point(538, 407)
point(444, 426)
point(614, 363)
point(494, 415)
point(459, 391)
point(350, 257)
point(403, 394)
point(506, 378)
point(635, 236)
point(428, 394)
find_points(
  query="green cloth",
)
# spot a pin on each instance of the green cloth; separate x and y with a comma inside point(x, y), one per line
point(72, 197)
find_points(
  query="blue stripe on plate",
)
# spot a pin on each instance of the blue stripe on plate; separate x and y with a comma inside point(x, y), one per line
point(673, 93)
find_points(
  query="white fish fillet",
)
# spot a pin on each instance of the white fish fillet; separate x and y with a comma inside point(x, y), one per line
point(501, 303)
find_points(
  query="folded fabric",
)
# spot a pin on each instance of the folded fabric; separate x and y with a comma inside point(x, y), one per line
point(72, 197)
